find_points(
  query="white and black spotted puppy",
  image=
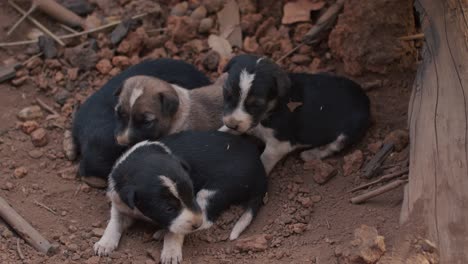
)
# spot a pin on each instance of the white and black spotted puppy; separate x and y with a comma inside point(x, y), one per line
point(319, 113)
point(183, 183)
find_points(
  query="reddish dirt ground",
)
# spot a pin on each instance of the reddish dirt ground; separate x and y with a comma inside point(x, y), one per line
point(297, 232)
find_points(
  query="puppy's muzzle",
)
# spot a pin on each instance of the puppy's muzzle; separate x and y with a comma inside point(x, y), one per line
point(123, 138)
point(231, 123)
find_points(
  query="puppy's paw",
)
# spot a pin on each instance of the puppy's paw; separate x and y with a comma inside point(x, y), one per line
point(171, 255)
point(105, 246)
point(311, 154)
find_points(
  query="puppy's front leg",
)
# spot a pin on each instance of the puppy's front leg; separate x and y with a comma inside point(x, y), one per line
point(172, 248)
point(110, 240)
point(274, 153)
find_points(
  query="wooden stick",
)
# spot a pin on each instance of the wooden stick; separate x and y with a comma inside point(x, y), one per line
point(382, 179)
point(59, 12)
point(46, 107)
point(373, 165)
point(324, 22)
point(67, 28)
point(23, 228)
point(366, 196)
point(413, 37)
point(290, 52)
point(18, 248)
point(35, 22)
point(45, 207)
point(33, 7)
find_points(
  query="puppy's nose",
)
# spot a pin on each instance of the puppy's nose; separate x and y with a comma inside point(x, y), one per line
point(233, 127)
point(195, 226)
point(232, 123)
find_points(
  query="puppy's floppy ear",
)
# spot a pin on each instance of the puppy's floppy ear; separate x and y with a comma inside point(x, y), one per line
point(169, 103)
point(283, 83)
point(127, 194)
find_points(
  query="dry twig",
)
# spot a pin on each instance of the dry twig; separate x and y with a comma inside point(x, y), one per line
point(46, 107)
point(413, 37)
point(45, 207)
point(382, 179)
point(388, 187)
point(33, 7)
point(324, 22)
point(18, 248)
point(374, 164)
point(289, 53)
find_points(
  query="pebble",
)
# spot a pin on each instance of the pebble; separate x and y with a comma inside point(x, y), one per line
point(35, 153)
point(353, 162)
point(321, 171)
point(180, 9)
point(29, 126)
point(205, 25)
point(104, 66)
point(19, 81)
point(93, 260)
point(39, 137)
point(61, 96)
point(399, 138)
point(211, 60)
point(316, 198)
point(20, 172)
point(120, 61)
point(7, 186)
point(301, 59)
point(30, 113)
point(72, 73)
point(97, 232)
point(199, 13)
point(255, 243)
point(72, 228)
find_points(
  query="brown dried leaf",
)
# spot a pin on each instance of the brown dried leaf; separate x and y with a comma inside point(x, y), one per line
point(299, 11)
point(229, 23)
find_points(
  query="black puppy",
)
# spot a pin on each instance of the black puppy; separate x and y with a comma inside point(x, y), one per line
point(183, 183)
point(329, 111)
point(95, 123)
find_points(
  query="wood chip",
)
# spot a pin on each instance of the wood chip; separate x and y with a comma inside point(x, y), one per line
point(299, 11)
point(220, 45)
point(229, 23)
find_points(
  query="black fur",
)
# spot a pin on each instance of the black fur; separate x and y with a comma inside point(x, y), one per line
point(331, 105)
point(217, 161)
point(94, 122)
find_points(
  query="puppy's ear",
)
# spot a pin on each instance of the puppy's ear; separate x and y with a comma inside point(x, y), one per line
point(169, 103)
point(127, 194)
point(283, 83)
point(118, 90)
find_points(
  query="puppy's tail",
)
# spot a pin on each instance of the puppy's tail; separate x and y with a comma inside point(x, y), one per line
point(246, 218)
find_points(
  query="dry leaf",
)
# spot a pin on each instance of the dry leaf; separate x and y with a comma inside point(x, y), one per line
point(229, 23)
point(293, 105)
point(299, 11)
point(220, 45)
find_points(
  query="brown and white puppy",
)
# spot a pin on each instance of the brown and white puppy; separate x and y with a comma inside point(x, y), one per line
point(149, 108)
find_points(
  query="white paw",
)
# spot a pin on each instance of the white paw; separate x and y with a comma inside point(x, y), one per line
point(105, 246)
point(311, 154)
point(171, 255)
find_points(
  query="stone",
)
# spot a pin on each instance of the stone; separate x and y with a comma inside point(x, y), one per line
point(321, 171)
point(59, 76)
point(72, 73)
point(255, 243)
point(35, 153)
point(121, 61)
point(98, 232)
point(206, 24)
point(104, 66)
point(251, 44)
point(7, 186)
point(247, 6)
point(353, 162)
point(314, 66)
point(399, 138)
point(250, 22)
point(81, 57)
point(19, 81)
point(213, 5)
point(29, 126)
point(61, 96)
point(301, 59)
point(182, 28)
point(30, 113)
point(39, 137)
point(93, 260)
point(47, 47)
point(210, 60)
point(316, 198)
point(375, 146)
point(180, 9)
point(68, 173)
point(20, 172)
point(366, 248)
point(199, 13)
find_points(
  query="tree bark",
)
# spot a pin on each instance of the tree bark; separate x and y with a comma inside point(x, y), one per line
point(437, 194)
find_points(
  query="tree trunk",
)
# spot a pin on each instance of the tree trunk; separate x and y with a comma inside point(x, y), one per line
point(437, 194)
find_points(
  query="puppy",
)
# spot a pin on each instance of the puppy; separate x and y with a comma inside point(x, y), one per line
point(183, 183)
point(149, 108)
point(94, 123)
point(317, 112)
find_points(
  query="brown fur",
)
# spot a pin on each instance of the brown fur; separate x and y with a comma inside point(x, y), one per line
point(198, 109)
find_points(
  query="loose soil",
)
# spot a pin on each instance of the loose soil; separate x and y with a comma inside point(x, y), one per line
point(297, 231)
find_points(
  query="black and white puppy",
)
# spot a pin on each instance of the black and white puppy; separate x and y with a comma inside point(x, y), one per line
point(330, 112)
point(182, 184)
point(94, 123)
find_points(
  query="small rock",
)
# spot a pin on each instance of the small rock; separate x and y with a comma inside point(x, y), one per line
point(199, 13)
point(93, 260)
point(375, 147)
point(321, 171)
point(316, 198)
point(213, 5)
point(19, 81)
point(29, 126)
point(115, 71)
point(247, 6)
point(104, 66)
point(250, 22)
point(205, 25)
point(298, 228)
point(34, 63)
point(183, 28)
point(352, 162)
point(39, 137)
point(367, 247)
point(305, 201)
point(72, 228)
point(180, 9)
point(7, 186)
point(255, 243)
point(30, 113)
point(251, 44)
point(73, 247)
point(68, 173)
point(121, 31)
point(35, 153)
point(47, 46)
point(61, 96)
point(75, 257)
point(98, 232)
point(72, 73)
point(211, 60)
point(315, 64)
point(301, 59)
point(81, 56)
point(59, 76)
point(20, 172)
point(6, 233)
point(399, 138)
point(120, 61)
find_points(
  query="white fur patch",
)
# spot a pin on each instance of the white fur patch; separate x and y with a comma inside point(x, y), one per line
point(328, 150)
point(203, 198)
point(171, 185)
point(138, 145)
point(172, 248)
point(180, 121)
point(260, 59)
point(241, 224)
point(245, 83)
point(136, 93)
point(185, 221)
point(275, 150)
